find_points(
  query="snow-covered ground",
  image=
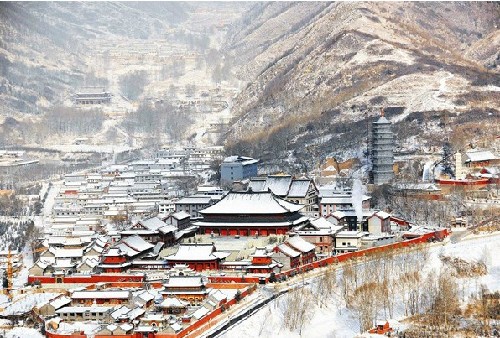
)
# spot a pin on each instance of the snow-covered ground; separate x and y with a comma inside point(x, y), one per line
point(23, 332)
point(335, 320)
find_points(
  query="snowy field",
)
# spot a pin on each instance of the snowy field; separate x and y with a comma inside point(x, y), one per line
point(335, 321)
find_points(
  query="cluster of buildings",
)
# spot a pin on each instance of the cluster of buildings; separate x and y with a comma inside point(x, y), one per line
point(137, 189)
point(295, 221)
point(141, 223)
point(172, 306)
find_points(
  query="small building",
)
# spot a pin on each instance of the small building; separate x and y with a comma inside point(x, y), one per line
point(382, 327)
point(285, 255)
point(320, 233)
point(92, 96)
point(340, 202)
point(306, 249)
point(235, 168)
point(372, 241)
point(193, 204)
point(84, 313)
point(180, 220)
point(348, 241)
point(262, 262)
point(100, 297)
point(50, 308)
point(379, 223)
point(481, 159)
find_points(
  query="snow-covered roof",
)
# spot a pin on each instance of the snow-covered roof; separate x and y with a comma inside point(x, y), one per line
point(479, 156)
point(279, 185)
point(217, 295)
point(173, 302)
point(321, 223)
point(167, 228)
point(137, 243)
point(176, 326)
point(349, 234)
point(251, 203)
point(204, 199)
point(261, 252)
point(288, 250)
point(382, 214)
point(184, 281)
point(83, 309)
point(193, 252)
point(382, 120)
point(181, 215)
point(153, 223)
point(120, 311)
point(101, 294)
point(202, 311)
point(60, 302)
point(299, 188)
point(68, 253)
point(126, 327)
point(300, 244)
point(134, 313)
point(144, 295)
point(240, 159)
point(126, 250)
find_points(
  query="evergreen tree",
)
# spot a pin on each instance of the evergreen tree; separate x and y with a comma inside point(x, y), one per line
point(447, 159)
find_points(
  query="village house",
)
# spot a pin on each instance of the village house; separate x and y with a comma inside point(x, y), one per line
point(84, 313)
point(348, 241)
point(286, 256)
point(180, 220)
point(306, 249)
point(101, 297)
point(50, 308)
point(480, 159)
point(126, 313)
point(116, 330)
point(349, 219)
point(372, 241)
point(153, 230)
point(379, 223)
point(193, 204)
point(250, 214)
point(319, 232)
point(119, 257)
point(341, 202)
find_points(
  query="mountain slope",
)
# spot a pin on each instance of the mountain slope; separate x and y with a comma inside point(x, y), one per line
point(340, 62)
point(44, 46)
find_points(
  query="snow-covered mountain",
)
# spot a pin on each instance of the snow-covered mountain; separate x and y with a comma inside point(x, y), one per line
point(310, 66)
point(310, 75)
